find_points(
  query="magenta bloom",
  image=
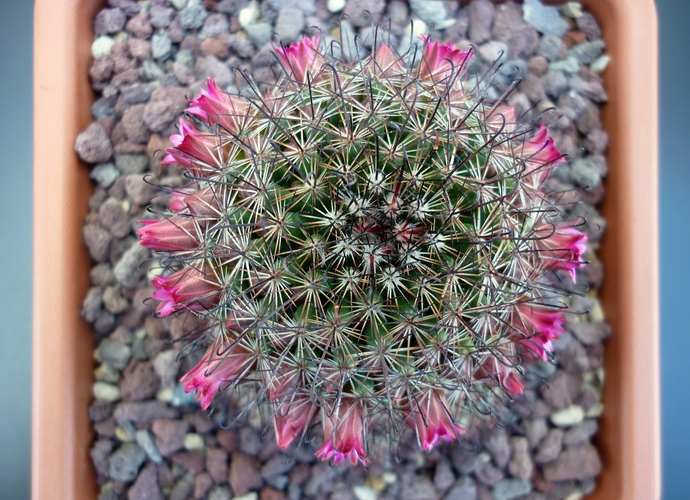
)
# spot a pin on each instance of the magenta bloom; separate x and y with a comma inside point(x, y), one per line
point(217, 107)
point(441, 61)
point(343, 434)
point(540, 325)
point(503, 373)
point(301, 57)
point(385, 62)
point(291, 418)
point(562, 247)
point(432, 422)
point(193, 147)
point(187, 289)
point(177, 197)
point(217, 367)
point(541, 155)
point(174, 234)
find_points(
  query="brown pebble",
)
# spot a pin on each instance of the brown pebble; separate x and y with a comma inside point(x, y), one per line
point(244, 474)
point(217, 464)
point(213, 46)
point(140, 382)
point(193, 461)
point(146, 485)
point(572, 38)
point(202, 484)
point(169, 434)
point(578, 462)
point(268, 493)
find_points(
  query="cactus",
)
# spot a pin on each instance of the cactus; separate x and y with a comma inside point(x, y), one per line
point(366, 243)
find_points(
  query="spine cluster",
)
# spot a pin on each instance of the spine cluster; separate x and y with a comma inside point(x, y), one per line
point(367, 242)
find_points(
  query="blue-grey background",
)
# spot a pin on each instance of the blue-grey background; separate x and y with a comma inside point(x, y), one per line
point(16, 240)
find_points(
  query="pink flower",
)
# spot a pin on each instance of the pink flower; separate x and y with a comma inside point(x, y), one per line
point(494, 368)
point(291, 418)
point(174, 234)
point(536, 327)
point(193, 147)
point(186, 289)
point(502, 118)
point(541, 155)
point(441, 61)
point(218, 366)
point(217, 107)
point(343, 434)
point(432, 421)
point(562, 246)
point(301, 57)
point(177, 197)
point(385, 62)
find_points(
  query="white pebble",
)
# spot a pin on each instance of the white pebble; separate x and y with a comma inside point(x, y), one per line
point(572, 9)
point(193, 441)
point(252, 495)
point(600, 65)
point(165, 395)
point(596, 410)
point(572, 415)
point(179, 4)
point(336, 5)
point(389, 477)
point(249, 15)
point(106, 392)
point(363, 493)
point(102, 46)
point(575, 495)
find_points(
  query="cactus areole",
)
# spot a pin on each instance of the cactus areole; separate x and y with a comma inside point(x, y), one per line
point(366, 243)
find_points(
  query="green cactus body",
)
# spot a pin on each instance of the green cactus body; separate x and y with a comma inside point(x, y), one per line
point(369, 232)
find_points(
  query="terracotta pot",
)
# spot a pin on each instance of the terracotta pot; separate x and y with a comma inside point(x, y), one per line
point(629, 436)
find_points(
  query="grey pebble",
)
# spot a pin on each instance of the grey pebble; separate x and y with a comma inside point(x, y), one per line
point(109, 21)
point(481, 14)
point(277, 464)
point(443, 475)
point(211, 66)
point(597, 142)
point(587, 52)
point(114, 353)
point(128, 271)
point(551, 47)
point(145, 440)
point(125, 462)
point(166, 366)
point(105, 174)
point(289, 24)
point(93, 303)
point(102, 108)
point(150, 71)
point(591, 333)
point(535, 430)
point(93, 144)
point(520, 464)
point(589, 25)
point(166, 104)
point(430, 11)
point(161, 46)
point(306, 6)
point(259, 33)
point(219, 492)
point(555, 82)
point(138, 189)
point(113, 301)
point(581, 432)
point(193, 16)
point(546, 18)
point(508, 489)
point(131, 163)
point(488, 474)
point(419, 488)
point(146, 485)
point(136, 93)
point(143, 411)
point(161, 16)
point(363, 13)
point(568, 65)
point(215, 25)
point(550, 447)
point(184, 488)
point(497, 444)
point(585, 173)
point(580, 462)
point(97, 241)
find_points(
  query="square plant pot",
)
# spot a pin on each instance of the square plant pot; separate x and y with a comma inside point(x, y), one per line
point(629, 436)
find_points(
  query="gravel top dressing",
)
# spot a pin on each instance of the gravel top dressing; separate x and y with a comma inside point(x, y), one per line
point(152, 439)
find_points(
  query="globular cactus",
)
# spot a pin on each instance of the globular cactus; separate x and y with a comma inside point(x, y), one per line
point(368, 242)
